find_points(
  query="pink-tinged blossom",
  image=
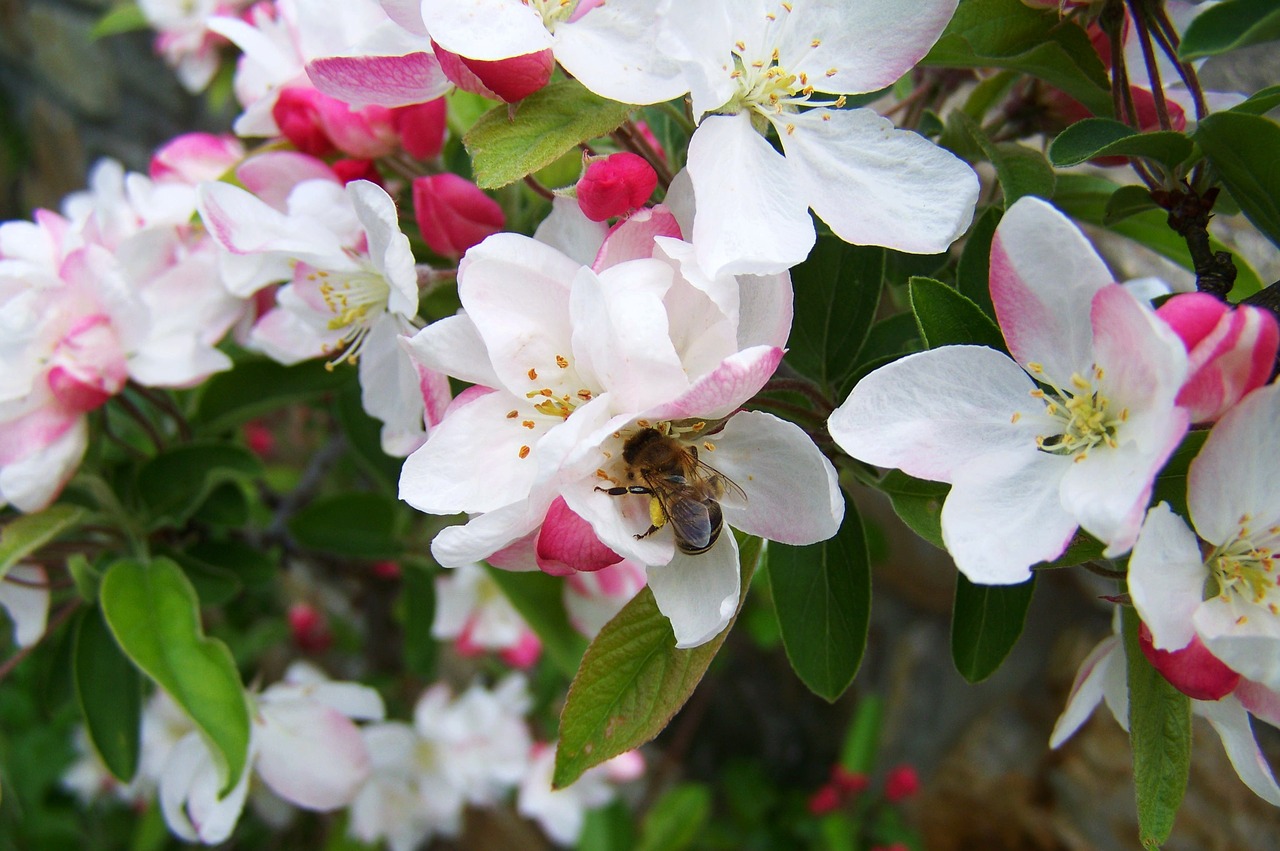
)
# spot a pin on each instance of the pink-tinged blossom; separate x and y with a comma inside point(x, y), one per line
point(453, 213)
point(1068, 433)
point(592, 599)
point(193, 158)
point(472, 611)
point(615, 185)
point(561, 813)
point(1229, 599)
point(304, 745)
point(1231, 351)
point(786, 66)
point(568, 366)
point(1103, 676)
point(184, 39)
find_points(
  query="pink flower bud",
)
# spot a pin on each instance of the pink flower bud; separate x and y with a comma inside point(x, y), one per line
point(297, 114)
point(317, 124)
point(615, 185)
point(355, 169)
point(1193, 670)
point(1231, 352)
point(386, 569)
point(901, 783)
point(508, 79)
point(848, 782)
point(422, 128)
point(88, 365)
point(261, 440)
point(195, 157)
point(524, 653)
point(453, 214)
point(310, 628)
point(825, 800)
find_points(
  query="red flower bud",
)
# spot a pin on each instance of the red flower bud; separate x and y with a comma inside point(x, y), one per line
point(353, 169)
point(310, 628)
point(503, 79)
point(901, 783)
point(453, 214)
point(1193, 670)
point(422, 128)
point(848, 782)
point(615, 185)
point(297, 114)
point(825, 800)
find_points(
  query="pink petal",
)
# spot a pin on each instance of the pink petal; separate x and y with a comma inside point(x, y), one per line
point(737, 379)
point(567, 543)
point(382, 80)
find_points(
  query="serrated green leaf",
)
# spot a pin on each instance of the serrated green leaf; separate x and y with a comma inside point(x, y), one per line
point(109, 692)
point(546, 124)
point(1260, 102)
point(973, 274)
point(1007, 34)
point(632, 681)
point(676, 819)
point(154, 615)
point(539, 599)
point(837, 291)
point(1105, 137)
point(822, 594)
point(1127, 201)
point(357, 525)
point(1226, 26)
point(256, 387)
point(917, 503)
point(986, 621)
point(123, 18)
point(27, 533)
point(1242, 149)
point(948, 318)
point(175, 483)
point(1160, 735)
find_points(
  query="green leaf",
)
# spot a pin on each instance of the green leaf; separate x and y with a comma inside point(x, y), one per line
point(539, 598)
point(1020, 170)
point(1009, 35)
point(364, 436)
point(1260, 102)
point(109, 691)
point(123, 18)
point(357, 525)
point(546, 124)
point(1084, 198)
point(822, 594)
point(918, 503)
point(176, 483)
point(986, 621)
point(632, 681)
point(947, 318)
point(1127, 201)
point(154, 615)
point(862, 739)
point(418, 594)
point(257, 387)
point(607, 828)
point(1226, 26)
point(25, 534)
point(1171, 484)
point(1160, 734)
point(85, 576)
point(250, 565)
point(214, 585)
point(973, 275)
point(1242, 149)
point(676, 819)
point(1106, 137)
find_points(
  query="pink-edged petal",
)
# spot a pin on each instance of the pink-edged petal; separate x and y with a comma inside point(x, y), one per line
point(243, 224)
point(188, 792)
point(570, 232)
point(1144, 363)
point(486, 29)
point(484, 534)
point(388, 246)
point(272, 175)
point(749, 218)
point(639, 70)
point(1107, 490)
point(519, 556)
point(877, 185)
point(1044, 274)
point(698, 593)
point(1244, 636)
point(1166, 578)
point(1231, 723)
point(931, 413)
point(453, 346)
point(390, 389)
point(310, 755)
point(31, 483)
point(633, 237)
point(1003, 515)
point(722, 391)
point(1233, 359)
point(868, 45)
point(1086, 690)
point(380, 80)
point(793, 496)
point(567, 543)
point(1234, 474)
point(288, 338)
point(1260, 701)
point(24, 595)
point(441, 476)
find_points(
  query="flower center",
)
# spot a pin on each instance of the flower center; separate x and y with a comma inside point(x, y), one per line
point(1244, 568)
point(355, 299)
point(1085, 417)
point(553, 11)
point(556, 392)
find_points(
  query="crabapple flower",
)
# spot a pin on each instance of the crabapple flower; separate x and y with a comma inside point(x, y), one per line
point(1069, 433)
point(592, 598)
point(575, 361)
point(453, 214)
point(193, 158)
point(472, 611)
point(184, 39)
point(1103, 676)
point(1231, 351)
point(1230, 599)
point(561, 813)
point(774, 64)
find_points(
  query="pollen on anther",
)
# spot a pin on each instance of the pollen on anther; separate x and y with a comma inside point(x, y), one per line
point(791, 128)
point(511, 415)
point(1080, 457)
point(601, 474)
point(524, 452)
point(1242, 620)
point(774, 55)
point(831, 72)
point(584, 394)
point(527, 423)
point(562, 362)
point(709, 446)
point(815, 42)
point(739, 45)
point(643, 423)
point(771, 16)
point(787, 6)
point(533, 374)
point(546, 391)
point(1017, 415)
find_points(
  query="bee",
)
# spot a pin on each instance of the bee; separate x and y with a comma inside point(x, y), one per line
point(682, 490)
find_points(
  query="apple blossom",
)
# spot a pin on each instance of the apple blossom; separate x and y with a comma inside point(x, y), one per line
point(184, 39)
point(193, 158)
point(472, 610)
point(592, 598)
point(1069, 433)
point(1103, 676)
point(453, 214)
point(561, 813)
point(1230, 599)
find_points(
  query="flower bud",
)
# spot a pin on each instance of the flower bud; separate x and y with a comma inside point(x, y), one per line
point(508, 79)
point(615, 185)
point(88, 365)
point(310, 628)
point(825, 800)
point(901, 783)
point(297, 114)
point(1193, 670)
point(422, 128)
point(357, 169)
point(453, 214)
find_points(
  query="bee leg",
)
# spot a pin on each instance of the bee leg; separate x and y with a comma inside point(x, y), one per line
point(620, 491)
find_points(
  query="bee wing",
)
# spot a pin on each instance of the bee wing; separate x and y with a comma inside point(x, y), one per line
point(719, 487)
point(684, 509)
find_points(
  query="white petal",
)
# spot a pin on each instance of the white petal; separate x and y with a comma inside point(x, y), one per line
point(484, 534)
point(723, 390)
point(1245, 637)
point(614, 50)
point(699, 593)
point(389, 387)
point(388, 247)
point(1231, 723)
point(792, 493)
point(875, 184)
point(1086, 691)
point(310, 755)
point(1166, 578)
point(189, 787)
point(453, 346)
point(568, 230)
point(933, 412)
point(1234, 474)
point(24, 595)
point(485, 29)
point(749, 218)
point(33, 482)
